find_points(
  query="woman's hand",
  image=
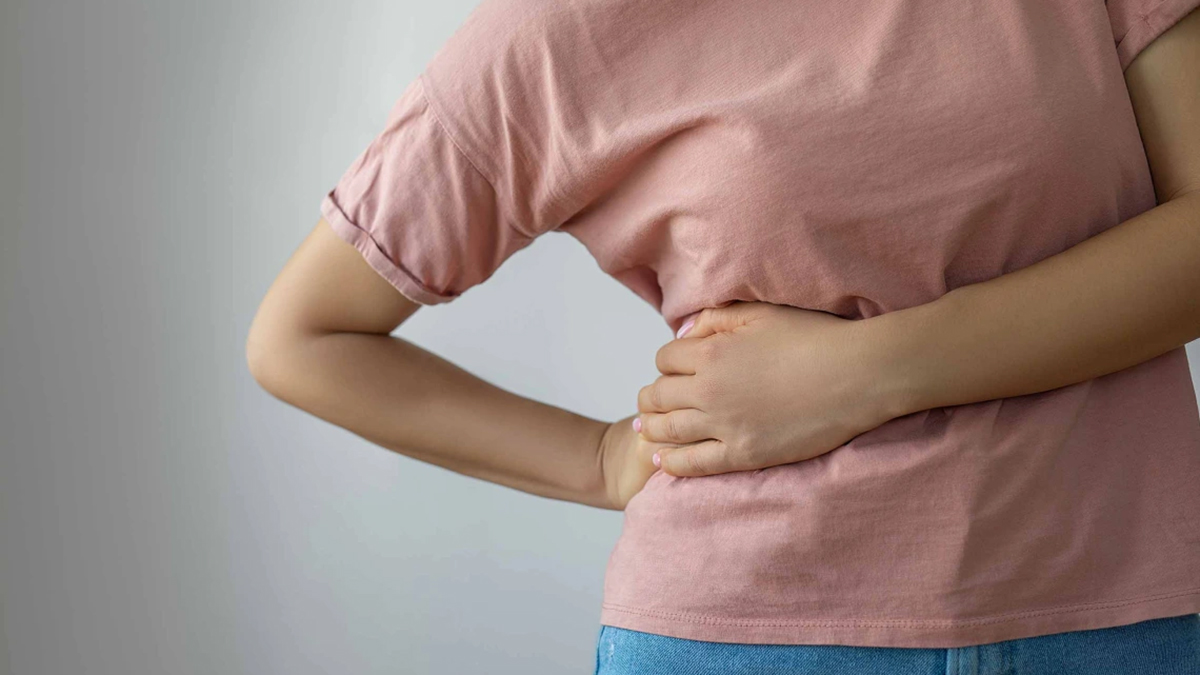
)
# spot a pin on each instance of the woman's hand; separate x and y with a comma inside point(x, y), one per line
point(754, 384)
point(625, 461)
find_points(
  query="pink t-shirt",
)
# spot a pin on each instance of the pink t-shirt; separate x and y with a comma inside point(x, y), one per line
point(851, 157)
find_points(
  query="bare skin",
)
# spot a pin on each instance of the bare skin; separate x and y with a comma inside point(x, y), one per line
point(321, 339)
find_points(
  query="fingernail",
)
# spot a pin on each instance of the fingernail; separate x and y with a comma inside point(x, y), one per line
point(656, 460)
point(685, 327)
point(637, 424)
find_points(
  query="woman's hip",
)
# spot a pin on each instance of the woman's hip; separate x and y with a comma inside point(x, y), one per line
point(1166, 646)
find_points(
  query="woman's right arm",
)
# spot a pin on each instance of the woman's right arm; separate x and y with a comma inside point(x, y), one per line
point(321, 341)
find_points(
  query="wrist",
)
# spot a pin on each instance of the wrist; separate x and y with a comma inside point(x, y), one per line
point(895, 362)
point(601, 494)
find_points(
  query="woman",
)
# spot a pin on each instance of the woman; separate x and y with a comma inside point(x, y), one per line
point(934, 413)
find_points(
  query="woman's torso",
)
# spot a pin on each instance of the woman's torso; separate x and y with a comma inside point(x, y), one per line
point(861, 158)
point(855, 158)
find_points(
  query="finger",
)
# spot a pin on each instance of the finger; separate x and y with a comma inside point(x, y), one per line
point(667, 393)
point(685, 323)
point(645, 451)
point(717, 319)
point(678, 357)
point(678, 426)
point(705, 458)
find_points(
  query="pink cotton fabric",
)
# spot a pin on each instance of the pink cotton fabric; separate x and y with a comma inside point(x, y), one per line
point(854, 158)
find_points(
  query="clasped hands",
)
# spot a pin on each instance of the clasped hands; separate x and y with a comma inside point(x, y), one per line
point(751, 385)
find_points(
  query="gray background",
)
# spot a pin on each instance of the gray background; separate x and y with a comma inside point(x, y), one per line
point(159, 512)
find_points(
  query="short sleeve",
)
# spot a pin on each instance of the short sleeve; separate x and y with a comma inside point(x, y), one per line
point(466, 171)
point(1136, 23)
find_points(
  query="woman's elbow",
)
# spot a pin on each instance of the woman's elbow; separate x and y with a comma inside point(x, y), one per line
point(267, 348)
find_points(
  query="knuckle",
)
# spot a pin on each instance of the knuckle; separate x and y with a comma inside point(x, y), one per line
point(745, 453)
point(655, 428)
point(661, 356)
point(709, 349)
point(671, 427)
point(749, 450)
point(643, 398)
point(655, 396)
point(694, 461)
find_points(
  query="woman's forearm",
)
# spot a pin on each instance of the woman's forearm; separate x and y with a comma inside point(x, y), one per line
point(413, 402)
point(1115, 300)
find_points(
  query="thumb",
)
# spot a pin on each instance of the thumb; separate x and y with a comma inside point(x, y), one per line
point(712, 320)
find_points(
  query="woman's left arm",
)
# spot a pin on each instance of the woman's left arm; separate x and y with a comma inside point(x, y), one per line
point(1111, 302)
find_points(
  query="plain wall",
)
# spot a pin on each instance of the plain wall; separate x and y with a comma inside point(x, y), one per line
point(161, 513)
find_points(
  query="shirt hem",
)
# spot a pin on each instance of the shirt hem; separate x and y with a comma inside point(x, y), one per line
point(1147, 27)
point(920, 633)
point(403, 281)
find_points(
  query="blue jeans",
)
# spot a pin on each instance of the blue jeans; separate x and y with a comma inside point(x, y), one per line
point(1167, 646)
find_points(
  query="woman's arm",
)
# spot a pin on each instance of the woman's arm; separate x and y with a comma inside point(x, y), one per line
point(321, 342)
point(754, 385)
point(1115, 300)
